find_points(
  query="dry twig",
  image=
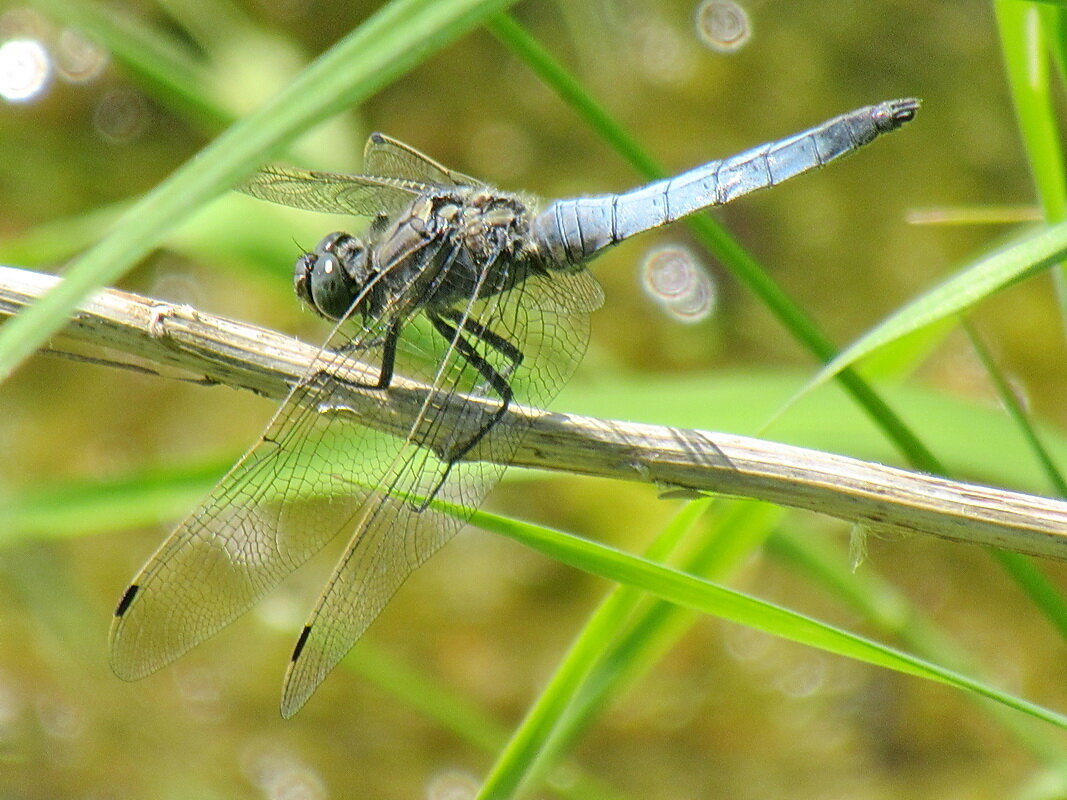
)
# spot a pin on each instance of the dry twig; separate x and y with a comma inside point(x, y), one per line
point(266, 362)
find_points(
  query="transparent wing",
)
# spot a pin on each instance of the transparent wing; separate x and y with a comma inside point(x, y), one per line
point(278, 506)
point(317, 471)
point(331, 192)
point(300, 485)
point(386, 157)
point(395, 534)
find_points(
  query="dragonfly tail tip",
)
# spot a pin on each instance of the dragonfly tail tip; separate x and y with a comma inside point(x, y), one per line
point(904, 110)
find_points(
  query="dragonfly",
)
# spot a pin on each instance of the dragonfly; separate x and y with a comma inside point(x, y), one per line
point(481, 297)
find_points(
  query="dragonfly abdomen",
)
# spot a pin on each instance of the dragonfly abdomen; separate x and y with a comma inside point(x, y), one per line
point(571, 232)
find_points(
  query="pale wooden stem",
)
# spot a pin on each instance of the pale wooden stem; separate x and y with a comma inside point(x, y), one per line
point(866, 493)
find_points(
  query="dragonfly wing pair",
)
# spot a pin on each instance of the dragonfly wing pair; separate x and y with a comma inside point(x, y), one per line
point(319, 471)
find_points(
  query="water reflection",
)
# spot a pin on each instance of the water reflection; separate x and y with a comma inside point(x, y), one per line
point(663, 51)
point(451, 785)
point(78, 59)
point(198, 689)
point(281, 774)
point(121, 115)
point(805, 678)
point(25, 70)
point(674, 278)
point(60, 718)
point(723, 25)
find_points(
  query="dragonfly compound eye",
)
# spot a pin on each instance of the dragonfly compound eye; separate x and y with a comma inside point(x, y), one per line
point(332, 278)
point(331, 288)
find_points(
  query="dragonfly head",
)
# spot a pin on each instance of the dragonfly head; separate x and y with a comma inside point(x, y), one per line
point(333, 276)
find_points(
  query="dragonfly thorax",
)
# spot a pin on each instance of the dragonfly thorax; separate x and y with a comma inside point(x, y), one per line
point(445, 248)
point(453, 244)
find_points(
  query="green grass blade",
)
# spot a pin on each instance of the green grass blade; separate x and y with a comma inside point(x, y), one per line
point(1025, 36)
point(82, 508)
point(733, 536)
point(1017, 413)
point(1023, 40)
point(458, 715)
point(527, 751)
point(983, 279)
point(1041, 591)
point(736, 529)
point(393, 41)
point(891, 611)
point(701, 595)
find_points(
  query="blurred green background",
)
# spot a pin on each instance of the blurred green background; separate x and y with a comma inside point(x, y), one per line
point(98, 464)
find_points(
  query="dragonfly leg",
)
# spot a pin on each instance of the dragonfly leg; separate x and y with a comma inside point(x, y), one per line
point(356, 345)
point(321, 378)
point(388, 344)
point(503, 346)
point(495, 379)
point(385, 374)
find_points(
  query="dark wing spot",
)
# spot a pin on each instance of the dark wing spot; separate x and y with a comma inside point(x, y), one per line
point(127, 598)
point(301, 642)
